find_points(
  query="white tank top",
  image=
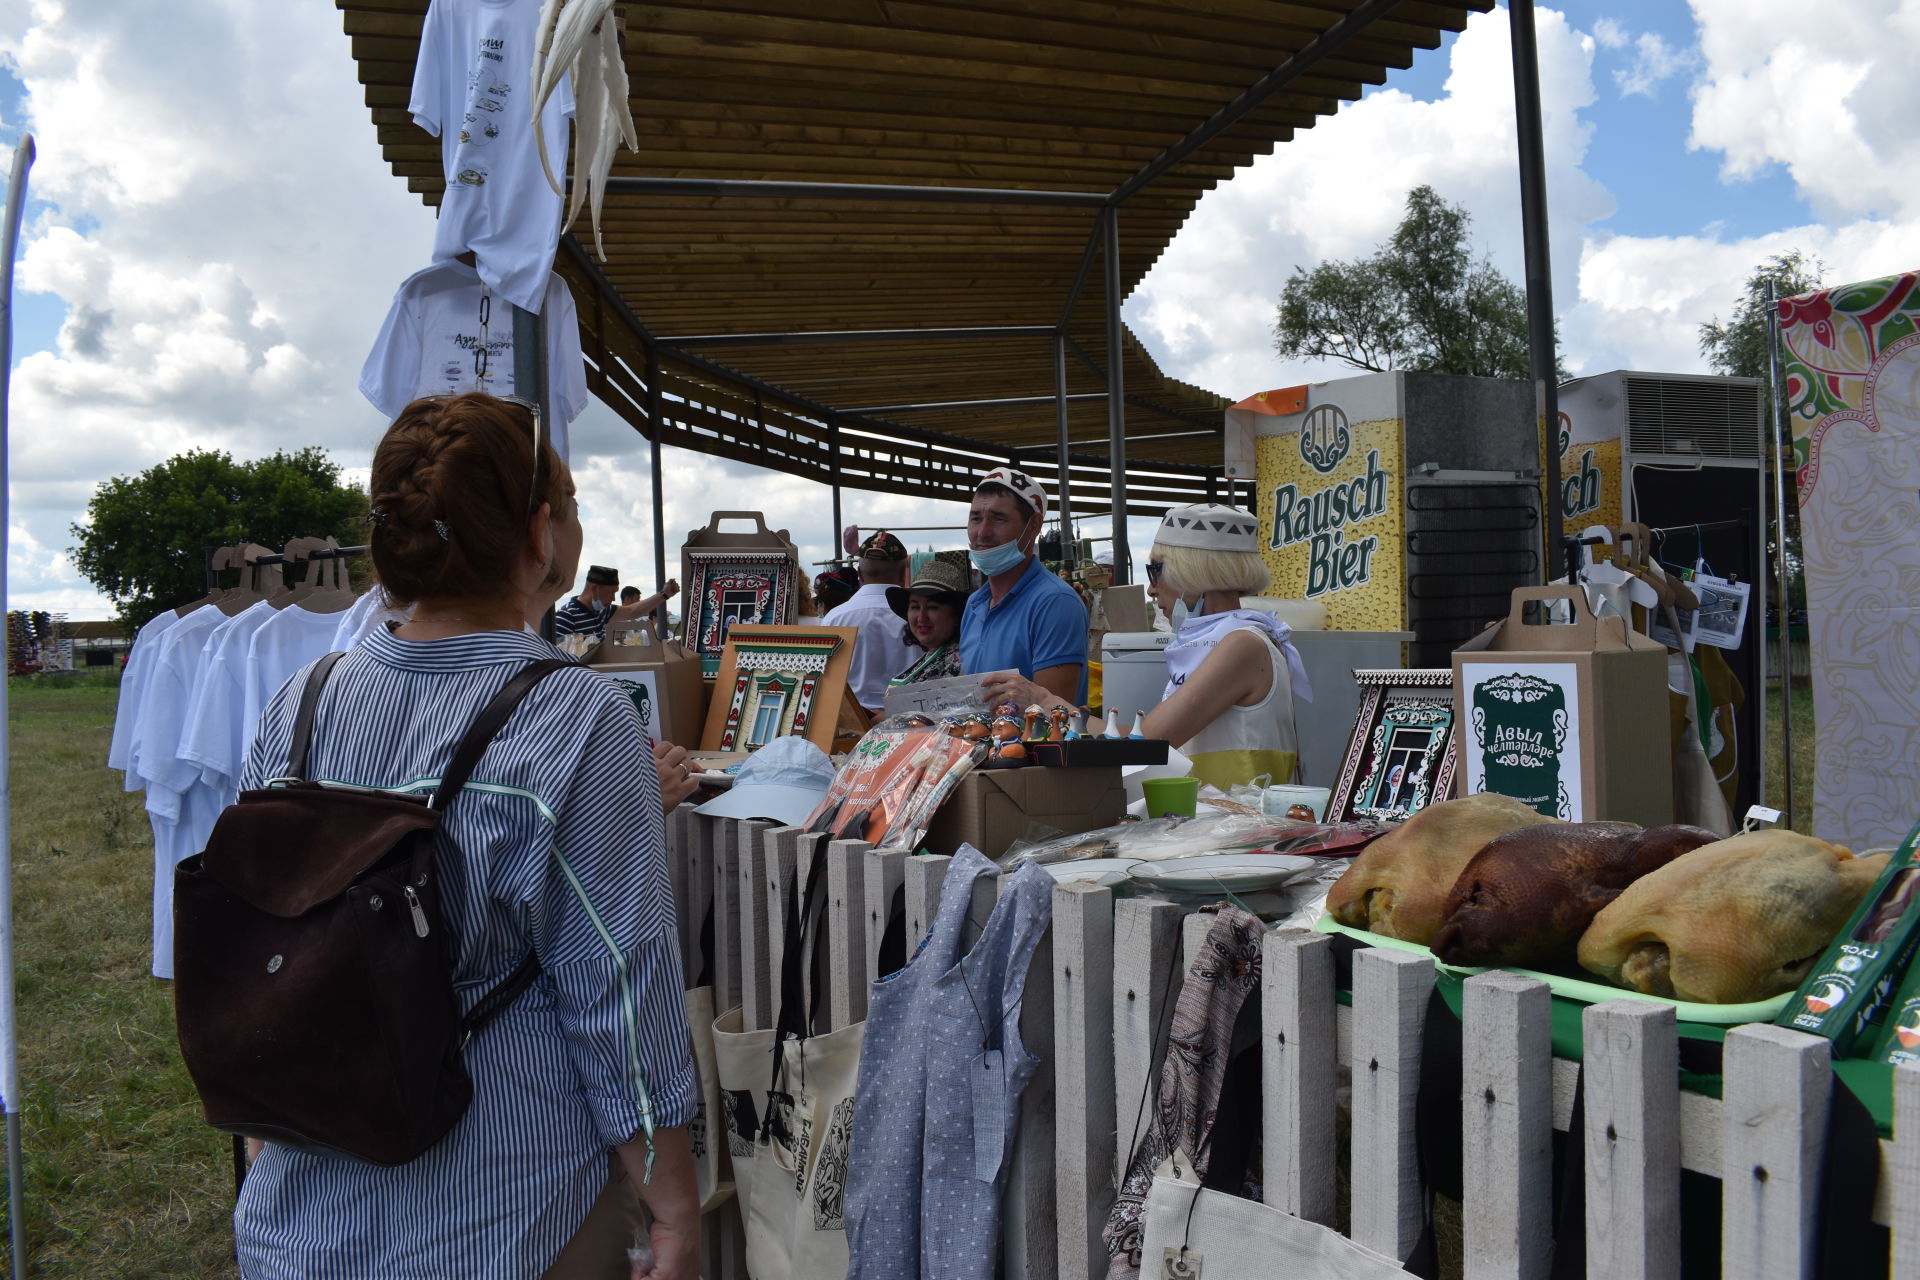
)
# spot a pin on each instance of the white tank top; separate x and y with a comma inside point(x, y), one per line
point(1243, 743)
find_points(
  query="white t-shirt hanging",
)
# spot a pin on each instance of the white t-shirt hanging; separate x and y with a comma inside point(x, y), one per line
point(212, 736)
point(289, 641)
point(471, 90)
point(447, 332)
point(133, 680)
point(164, 703)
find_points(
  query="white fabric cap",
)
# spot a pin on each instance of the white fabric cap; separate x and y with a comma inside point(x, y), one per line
point(1020, 482)
point(1103, 556)
point(1210, 526)
point(784, 780)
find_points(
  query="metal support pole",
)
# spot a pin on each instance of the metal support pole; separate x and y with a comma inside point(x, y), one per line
point(1116, 404)
point(1069, 544)
point(1780, 447)
point(1533, 221)
point(10, 1062)
point(656, 424)
point(530, 383)
point(834, 549)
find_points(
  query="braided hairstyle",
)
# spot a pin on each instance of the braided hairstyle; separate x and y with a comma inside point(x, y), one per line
point(451, 484)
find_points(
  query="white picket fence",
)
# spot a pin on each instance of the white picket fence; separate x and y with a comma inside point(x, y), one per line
point(1096, 999)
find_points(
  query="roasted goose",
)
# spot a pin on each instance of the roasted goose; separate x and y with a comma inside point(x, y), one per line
point(1398, 886)
point(1526, 898)
point(1733, 921)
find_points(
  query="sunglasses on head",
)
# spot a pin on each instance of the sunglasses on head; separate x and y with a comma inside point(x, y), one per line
point(533, 411)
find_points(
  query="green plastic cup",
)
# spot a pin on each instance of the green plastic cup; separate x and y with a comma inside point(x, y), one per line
point(1171, 797)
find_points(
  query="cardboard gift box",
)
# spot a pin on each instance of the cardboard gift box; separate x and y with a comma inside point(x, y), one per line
point(992, 808)
point(661, 677)
point(1570, 718)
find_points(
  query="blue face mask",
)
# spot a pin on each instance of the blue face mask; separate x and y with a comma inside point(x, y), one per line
point(1181, 612)
point(997, 560)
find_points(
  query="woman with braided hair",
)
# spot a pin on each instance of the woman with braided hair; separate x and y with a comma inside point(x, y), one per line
point(554, 847)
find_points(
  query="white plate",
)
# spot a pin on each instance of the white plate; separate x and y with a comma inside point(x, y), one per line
point(1239, 872)
point(1102, 871)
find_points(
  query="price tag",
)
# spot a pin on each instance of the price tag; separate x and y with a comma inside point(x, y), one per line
point(989, 1114)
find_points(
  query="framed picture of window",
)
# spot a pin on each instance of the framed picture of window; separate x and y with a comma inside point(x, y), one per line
point(1400, 757)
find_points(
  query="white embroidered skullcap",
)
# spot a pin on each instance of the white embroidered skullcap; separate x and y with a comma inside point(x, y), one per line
point(1020, 482)
point(1210, 526)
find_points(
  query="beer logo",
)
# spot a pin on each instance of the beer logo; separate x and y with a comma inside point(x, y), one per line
point(1566, 433)
point(1325, 438)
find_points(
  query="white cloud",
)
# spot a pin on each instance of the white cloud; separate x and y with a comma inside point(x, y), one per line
point(1654, 62)
point(1608, 33)
point(1831, 99)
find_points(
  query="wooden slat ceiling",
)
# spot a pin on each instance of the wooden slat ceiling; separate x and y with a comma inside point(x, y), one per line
point(1063, 95)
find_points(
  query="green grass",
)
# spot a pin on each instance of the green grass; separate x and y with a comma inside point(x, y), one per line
point(123, 1179)
point(1802, 756)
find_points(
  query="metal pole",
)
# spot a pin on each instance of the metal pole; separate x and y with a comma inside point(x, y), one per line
point(834, 549)
point(10, 1061)
point(1780, 447)
point(1069, 544)
point(1533, 220)
point(655, 422)
point(1116, 404)
point(530, 382)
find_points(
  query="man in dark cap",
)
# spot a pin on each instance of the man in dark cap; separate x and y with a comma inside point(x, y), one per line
point(589, 612)
point(880, 653)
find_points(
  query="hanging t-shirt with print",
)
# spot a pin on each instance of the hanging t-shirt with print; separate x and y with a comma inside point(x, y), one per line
point(472, 90)
point(447, 333)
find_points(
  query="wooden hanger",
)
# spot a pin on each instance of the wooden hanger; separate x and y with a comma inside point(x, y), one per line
point(258, 581)
point(296, 553)
point(222, 559)
point(335, 593)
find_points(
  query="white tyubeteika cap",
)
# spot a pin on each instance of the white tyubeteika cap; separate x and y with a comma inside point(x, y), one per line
point(1210, 526)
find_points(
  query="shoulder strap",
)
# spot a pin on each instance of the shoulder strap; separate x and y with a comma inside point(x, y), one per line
point(485, 725)
point(303, 718)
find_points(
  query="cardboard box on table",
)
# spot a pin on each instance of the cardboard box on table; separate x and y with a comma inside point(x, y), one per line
point(661, 677)
point(1570, 718)
point(992, 808)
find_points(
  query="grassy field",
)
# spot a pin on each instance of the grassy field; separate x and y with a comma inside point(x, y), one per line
point(123, 1179)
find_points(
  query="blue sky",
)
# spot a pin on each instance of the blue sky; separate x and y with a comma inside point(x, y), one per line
point(1685, 143)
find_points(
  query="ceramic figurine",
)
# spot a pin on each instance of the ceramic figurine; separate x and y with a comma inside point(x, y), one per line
point(1139, 729)
point(1061, 721)
point(974, 728)
point(1113, 724)
point(1006, 732)
point(1039, 728)
point(954, 726)
point(1077, 727)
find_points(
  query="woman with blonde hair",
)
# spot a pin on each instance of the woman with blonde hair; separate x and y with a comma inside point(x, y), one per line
point(1233, 673)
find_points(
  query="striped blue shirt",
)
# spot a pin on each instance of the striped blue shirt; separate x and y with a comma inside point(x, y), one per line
point(575, 618)
point(560, 847)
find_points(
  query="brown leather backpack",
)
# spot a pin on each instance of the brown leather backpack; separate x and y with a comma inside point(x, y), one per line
point(313, 988)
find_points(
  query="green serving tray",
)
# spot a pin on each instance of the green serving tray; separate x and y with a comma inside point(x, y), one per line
point(1580, 989)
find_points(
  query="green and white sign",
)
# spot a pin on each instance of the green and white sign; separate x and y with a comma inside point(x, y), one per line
point(1523, 735)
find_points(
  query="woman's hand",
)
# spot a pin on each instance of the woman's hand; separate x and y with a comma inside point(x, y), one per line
point(1011, 686)
point(676, 774)
point(676, 1255)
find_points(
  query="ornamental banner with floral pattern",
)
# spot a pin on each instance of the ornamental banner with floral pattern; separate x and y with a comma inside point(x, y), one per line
point(1852, 367)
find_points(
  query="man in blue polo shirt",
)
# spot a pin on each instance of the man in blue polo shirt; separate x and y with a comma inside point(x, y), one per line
point(1025, 618)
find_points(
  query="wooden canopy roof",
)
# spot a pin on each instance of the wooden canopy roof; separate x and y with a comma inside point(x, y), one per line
point(1083, 104)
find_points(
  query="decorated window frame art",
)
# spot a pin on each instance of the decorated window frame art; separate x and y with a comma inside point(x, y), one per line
point(728, 588)
point(1402, 754)
point(775, 681)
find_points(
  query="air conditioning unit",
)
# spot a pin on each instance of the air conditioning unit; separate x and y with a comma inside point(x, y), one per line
point(1684, 454)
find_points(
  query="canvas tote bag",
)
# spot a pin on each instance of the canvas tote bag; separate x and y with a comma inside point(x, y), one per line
point(787, 1110)
point(711, 1174)
point(1197, 1234)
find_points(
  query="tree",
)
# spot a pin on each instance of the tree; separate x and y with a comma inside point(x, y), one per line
point(1419, 303)
point(145, 539)
point(1738, 348)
